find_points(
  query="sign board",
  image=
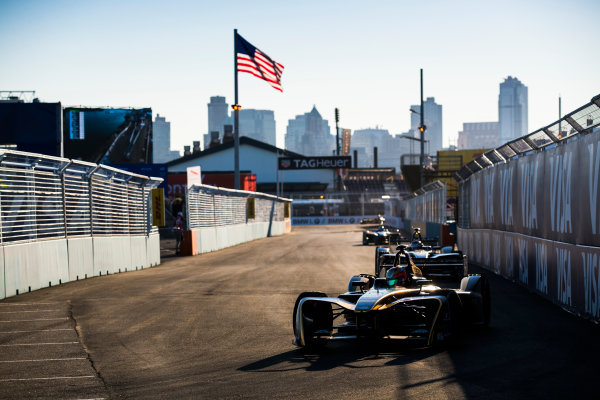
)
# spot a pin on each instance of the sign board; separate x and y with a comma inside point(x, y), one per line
point(346, 138)
point(345, 220)
point(194, 176)
point(289, 163)
point(158, 207)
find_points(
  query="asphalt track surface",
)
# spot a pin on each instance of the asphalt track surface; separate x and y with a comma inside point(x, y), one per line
point(218, 326)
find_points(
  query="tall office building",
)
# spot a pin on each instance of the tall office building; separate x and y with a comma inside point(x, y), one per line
point(478, 135)
point(161, 141)
point(512, 110)
point(309, 135)
point(389, 148)
point(259, 125)
point(433, 122)
point(217, 113)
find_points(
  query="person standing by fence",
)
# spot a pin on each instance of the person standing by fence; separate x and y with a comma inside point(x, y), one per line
point(178, 230)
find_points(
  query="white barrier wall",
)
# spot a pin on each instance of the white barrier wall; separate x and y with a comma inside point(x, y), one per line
point(32, 266)
point(139, 254)
point(2, 274)
point(220, 237)
point(153, 250)
point(37, 265)
point(81, 258)
point(111, 254)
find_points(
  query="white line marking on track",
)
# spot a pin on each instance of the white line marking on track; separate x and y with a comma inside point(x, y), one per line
point(41, 319)
point(48, 379)
point(39, 330)
point(45, 360)
point(36, 344)
point(28, 304)
point(30, 311)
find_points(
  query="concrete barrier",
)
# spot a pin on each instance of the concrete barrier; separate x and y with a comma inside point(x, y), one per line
point(2, 275)
point(32, 266)
point(153, 249)
point(81, 258)
point(139, 254)
point(111, 254)
point(221, 237)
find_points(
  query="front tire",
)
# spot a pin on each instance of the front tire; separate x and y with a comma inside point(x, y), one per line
point(447, 330)
point(317, 316)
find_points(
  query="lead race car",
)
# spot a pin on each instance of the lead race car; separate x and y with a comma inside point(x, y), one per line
point(403, 305)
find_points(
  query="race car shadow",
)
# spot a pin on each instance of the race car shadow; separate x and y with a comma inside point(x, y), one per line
point(342, 354)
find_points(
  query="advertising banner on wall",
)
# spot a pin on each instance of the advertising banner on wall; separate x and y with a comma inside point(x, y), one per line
point(566, 274)
point(346, 220)
point(158, 207)
point(551, 194)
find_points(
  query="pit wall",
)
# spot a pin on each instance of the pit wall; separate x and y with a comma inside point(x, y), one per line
point(209, 239)
point(25, 267)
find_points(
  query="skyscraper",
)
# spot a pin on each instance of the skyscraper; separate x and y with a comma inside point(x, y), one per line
point(258, 124)
point(512, 110)
point(309, 135)
point(217, 113)
point(478, 135)
point(161, 141)
point(433, 122)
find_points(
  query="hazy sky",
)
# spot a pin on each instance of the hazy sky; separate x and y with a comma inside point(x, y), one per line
point(362, 57)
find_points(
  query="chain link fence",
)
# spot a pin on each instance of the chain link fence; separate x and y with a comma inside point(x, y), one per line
point(44, 197)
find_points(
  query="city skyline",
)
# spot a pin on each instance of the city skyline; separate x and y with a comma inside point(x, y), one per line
point(86, 54)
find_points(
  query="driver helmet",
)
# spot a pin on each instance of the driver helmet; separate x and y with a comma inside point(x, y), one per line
point(397, 276)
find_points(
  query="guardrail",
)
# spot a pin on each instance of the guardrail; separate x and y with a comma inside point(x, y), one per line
point(63, 220)
point(218, 217)
point(534, 215)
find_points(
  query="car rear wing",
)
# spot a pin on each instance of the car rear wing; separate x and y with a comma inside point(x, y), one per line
point(428, 241)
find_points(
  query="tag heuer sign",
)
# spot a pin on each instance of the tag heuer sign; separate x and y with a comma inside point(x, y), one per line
point(314, 162)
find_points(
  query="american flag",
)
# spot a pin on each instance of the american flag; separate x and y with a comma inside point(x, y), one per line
point(255, 62)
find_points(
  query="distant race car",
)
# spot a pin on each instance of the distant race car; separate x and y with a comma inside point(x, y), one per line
point(379, 220)
point(403, 305)
point(381, 235)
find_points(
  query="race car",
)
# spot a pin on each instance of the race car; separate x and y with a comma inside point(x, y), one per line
point(403, 305)
point(379, 220)
point(437, 262)
point(381, 235)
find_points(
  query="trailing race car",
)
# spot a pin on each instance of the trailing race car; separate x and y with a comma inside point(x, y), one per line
point(438, 262)
point(381, 235)
point(402, 305)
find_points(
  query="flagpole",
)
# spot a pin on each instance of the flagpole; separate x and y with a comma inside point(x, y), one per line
point(236, 120)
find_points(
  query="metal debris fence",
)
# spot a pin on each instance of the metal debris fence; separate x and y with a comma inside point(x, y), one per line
point(44, 197)
point(428, 204)
point(209, 206)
